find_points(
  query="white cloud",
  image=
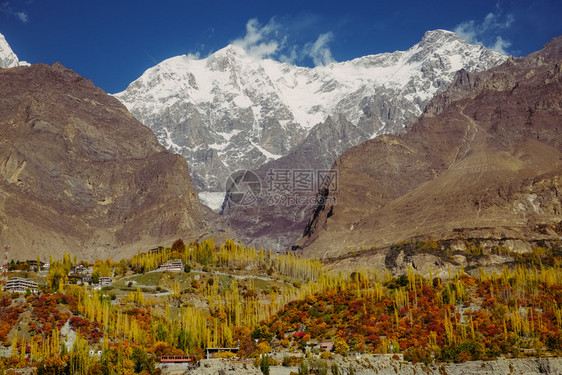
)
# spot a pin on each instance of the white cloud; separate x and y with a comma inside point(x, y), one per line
point(259, 41)
point(319, 50)
point(492, 21)
point(22, 16)
point(6, 8)
point(272, 41)
point(500, 45)
point(194, 56)
point(467, 31)
point(291, 57)
point(486, 32)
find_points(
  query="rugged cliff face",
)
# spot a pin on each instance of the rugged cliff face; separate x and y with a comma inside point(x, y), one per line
point(278, 217)
point(484, 161)
point(231, 111)
point(418, 74)
point(78, 173)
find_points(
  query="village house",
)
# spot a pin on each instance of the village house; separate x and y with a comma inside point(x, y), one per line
point(21, 285)
point(172, 266)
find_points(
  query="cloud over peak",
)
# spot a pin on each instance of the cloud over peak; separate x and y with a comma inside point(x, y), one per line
point(486, 31)
point(260, 42)
point(319, 50)
point(272, 41)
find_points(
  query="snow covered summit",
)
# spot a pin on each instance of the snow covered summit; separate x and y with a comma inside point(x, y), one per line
point(8, 58)
point(230, 111)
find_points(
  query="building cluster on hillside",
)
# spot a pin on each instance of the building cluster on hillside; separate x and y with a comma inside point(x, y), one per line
point(27, 265)
point(79, 274)
point(79, 269)
point(42, 265)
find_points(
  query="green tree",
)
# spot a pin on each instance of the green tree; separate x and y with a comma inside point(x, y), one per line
point(186, 341)
point(264, 365)
point(205, 253)
point(141, 361)
point(58, 274)
point(95, 277)
point(335, 369)
point(262, 332)
point(303, 368)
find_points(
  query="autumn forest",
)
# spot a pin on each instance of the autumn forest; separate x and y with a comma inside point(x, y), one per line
point(232, 296)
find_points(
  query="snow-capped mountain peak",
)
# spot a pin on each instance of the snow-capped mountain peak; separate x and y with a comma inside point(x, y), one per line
point(438, 36)
point(8, 58)
point(232, 111)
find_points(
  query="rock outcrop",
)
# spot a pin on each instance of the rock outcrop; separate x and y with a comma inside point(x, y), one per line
point(79, 174)
point(224, 367)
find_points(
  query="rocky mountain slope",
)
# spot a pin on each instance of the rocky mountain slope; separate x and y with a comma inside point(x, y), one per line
point(278, 216)
point(230, 111)
point(484, 161)
point(79, 174)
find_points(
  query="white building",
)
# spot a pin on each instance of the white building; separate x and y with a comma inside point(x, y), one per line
point(21, 285)
point(172, 266)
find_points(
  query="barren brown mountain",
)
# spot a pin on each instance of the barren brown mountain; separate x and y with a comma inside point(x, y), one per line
point(79, 174)
point(484, 161)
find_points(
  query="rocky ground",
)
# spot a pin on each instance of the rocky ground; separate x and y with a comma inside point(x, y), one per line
point(387, 365)
point(79, 173)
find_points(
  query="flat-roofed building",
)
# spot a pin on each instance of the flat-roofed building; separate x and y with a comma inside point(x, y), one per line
point(172, 266)
point(21, 285)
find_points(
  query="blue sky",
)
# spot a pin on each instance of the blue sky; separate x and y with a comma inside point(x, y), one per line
point(114, 42)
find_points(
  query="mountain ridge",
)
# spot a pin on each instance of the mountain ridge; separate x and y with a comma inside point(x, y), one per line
point(483, 162)
point(80, 174)
point(279, 226)
point(230, 111)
